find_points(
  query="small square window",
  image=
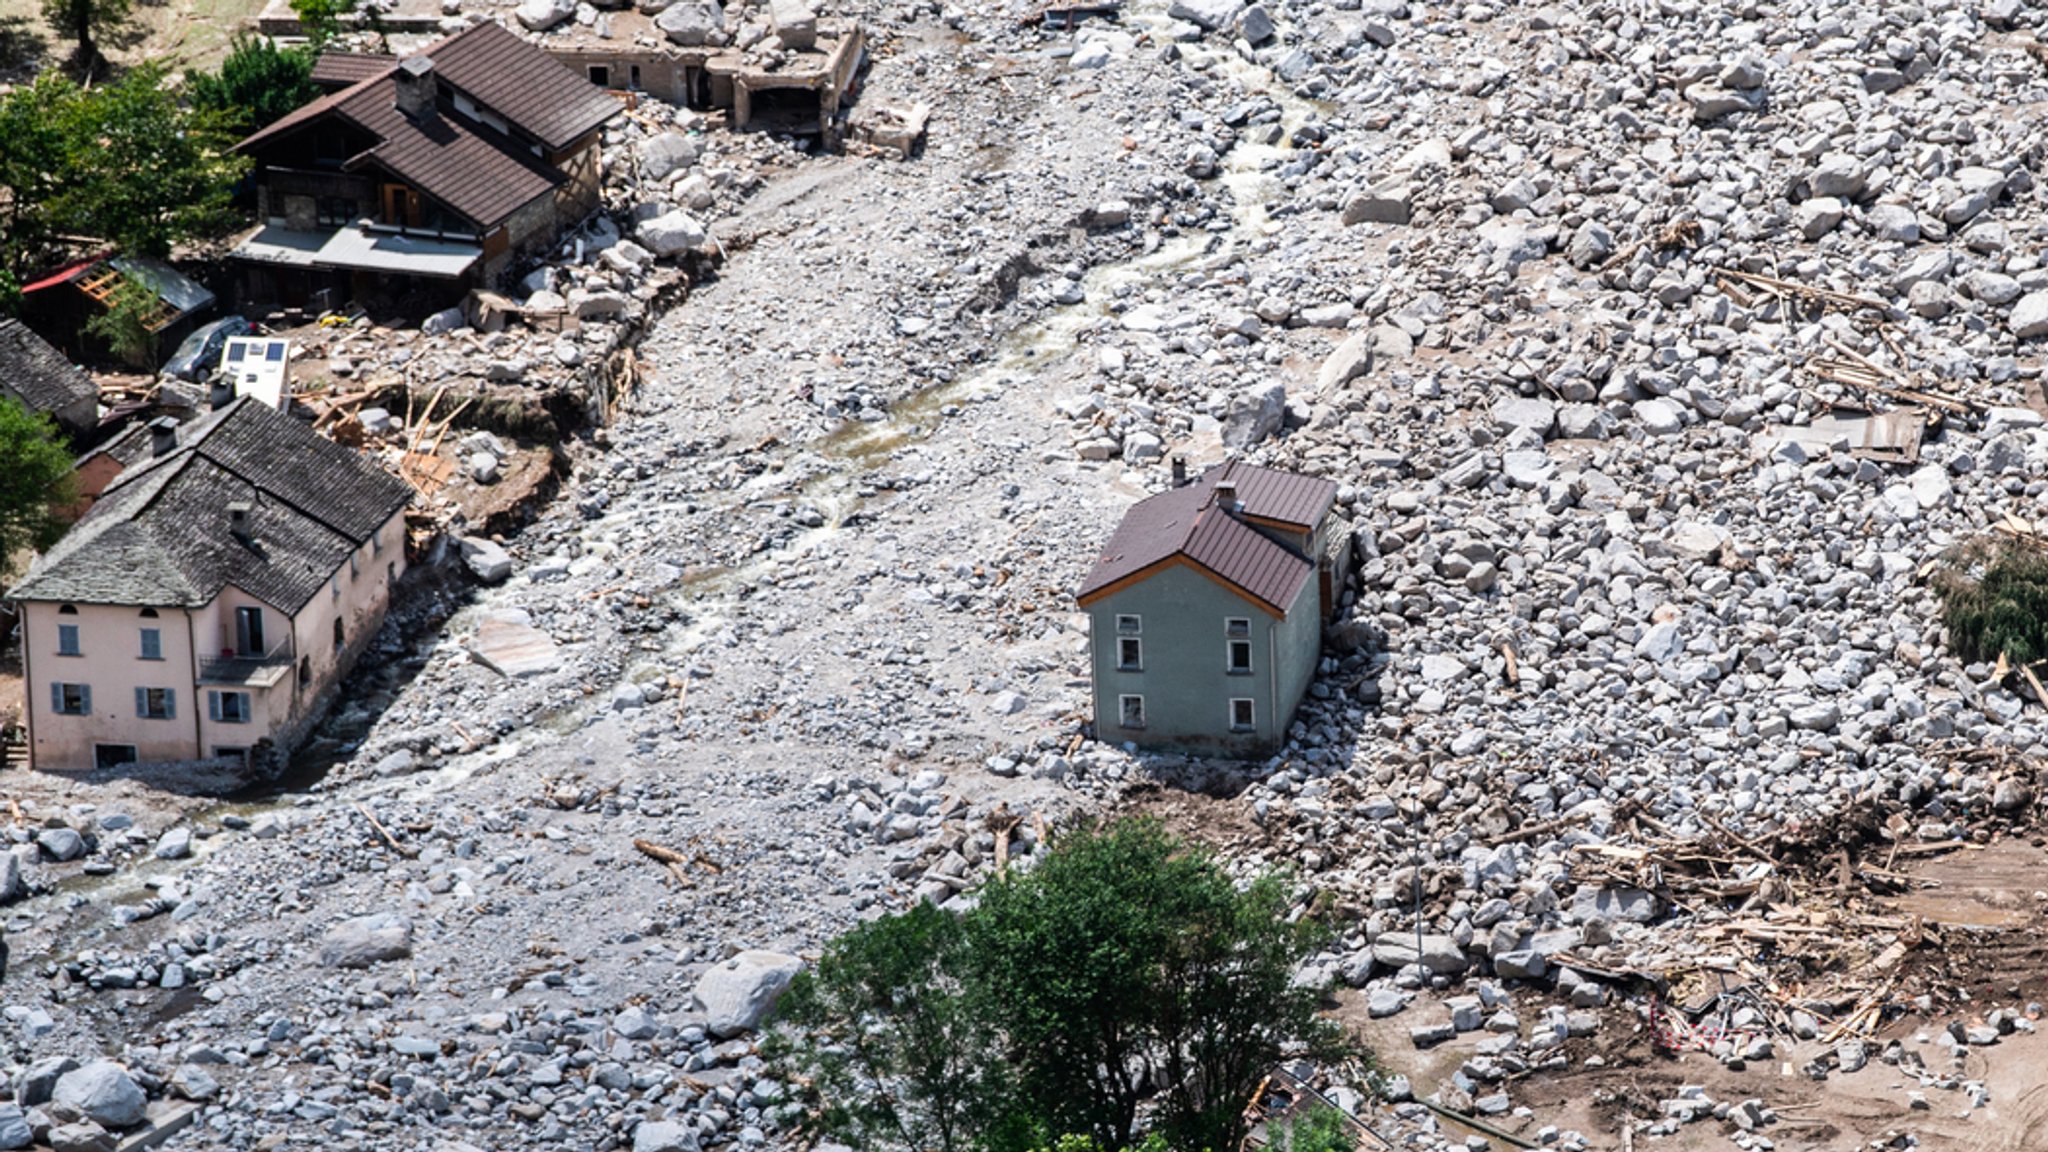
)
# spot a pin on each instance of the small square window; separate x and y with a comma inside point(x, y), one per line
point(1130, 711)
point(1241, 716)
point(1129, 625)
point(152, 644)
point(67, 639)
point(1240, 657)
point(1237, 627)
point(1130, 654)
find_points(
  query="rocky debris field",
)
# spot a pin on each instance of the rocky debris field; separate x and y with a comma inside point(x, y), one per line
point(1566, 298)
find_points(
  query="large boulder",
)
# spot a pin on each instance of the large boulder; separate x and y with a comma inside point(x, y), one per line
point(541, 15)
point(1352, 359)
point(667, 153)
point(103, 1092)
point(738, 994)
point(670, 233)
point(486, 559)
point(2030, 316)
point(664, 1136)
point(366, 940)
point(12, 887)
point(1209, 15)
point(33, 1084)
point(61, 844)
point(1380, 204)
point(693, 24)
point(796, 23)
point(1255, 415)
point(14, 1128)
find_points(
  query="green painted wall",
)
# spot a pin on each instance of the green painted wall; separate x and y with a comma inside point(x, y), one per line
point(1184, 680)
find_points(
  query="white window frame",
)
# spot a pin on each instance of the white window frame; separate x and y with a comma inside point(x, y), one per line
point(1123, 711)
point(1237, 630)
point(1251, 711)
point(1136, 648)
point(1137, 624)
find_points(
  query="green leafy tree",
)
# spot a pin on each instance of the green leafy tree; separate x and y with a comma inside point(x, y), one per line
point(257, 84)
point(1319, 1128)
point(1128, 958)
point(92, 24)
point(322, 19)
point(35, 487)
point(35, 172)
point(896, 1056)
point(146, 172)
point(1125, 972)
point(125, 325)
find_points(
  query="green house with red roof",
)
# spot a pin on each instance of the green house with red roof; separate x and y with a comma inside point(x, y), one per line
point(1206, 611)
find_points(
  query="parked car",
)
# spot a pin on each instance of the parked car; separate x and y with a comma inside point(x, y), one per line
point(199, 354)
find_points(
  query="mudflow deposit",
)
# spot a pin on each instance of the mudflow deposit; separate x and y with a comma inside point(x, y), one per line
point(1640, 774)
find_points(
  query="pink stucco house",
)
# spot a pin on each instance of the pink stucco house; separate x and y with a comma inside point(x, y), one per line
point(211, 601)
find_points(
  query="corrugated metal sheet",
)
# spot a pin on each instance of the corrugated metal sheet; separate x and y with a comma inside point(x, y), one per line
point(1185, 522)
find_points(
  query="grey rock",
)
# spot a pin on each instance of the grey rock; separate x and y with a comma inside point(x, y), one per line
point(1632, 904)
point(671, 232)
point(795, 23)
point(61, 844)
point(1255, 24)
point(1440, 954)
point(15, 1131)
point(1208, 15)
point(486, 559)
point(693, 24)
point(1351, 360)
point(191, 1082)
point(83, 1136)
point(2029, 319)
point(666, 153)
point(1839, 175)
point(33, 1084)
point(1254, 416)
point(366, 940)
point(175, 844)
point(1390, 204)
point(1818, 216)
point(665, 1136)
point(739, 993)
point(541, 15)
point(1533, 413)
point(102, 1091)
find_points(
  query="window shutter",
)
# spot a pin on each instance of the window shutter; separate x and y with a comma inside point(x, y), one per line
point(170, 703)
point(213, 705)
point(56, 697)
point(141, 702)
point(85, 699)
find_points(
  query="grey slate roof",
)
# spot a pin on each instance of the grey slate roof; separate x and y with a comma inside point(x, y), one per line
point(1186, 523)
point(37, 374)
point(159, 536)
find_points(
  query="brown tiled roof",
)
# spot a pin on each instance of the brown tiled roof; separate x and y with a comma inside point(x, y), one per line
point(535, 92)
point(342, 69)
point(468, 167)
point(477, 171)
point(1185, 524)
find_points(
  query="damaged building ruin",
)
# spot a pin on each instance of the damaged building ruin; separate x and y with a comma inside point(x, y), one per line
point(792, 74)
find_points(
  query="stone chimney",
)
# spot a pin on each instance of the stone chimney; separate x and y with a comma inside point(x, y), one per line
point(163, 436)
point(1180, 471)
point(220, 393)
point(416, 88)
point(1226, 495)
point(238, 519)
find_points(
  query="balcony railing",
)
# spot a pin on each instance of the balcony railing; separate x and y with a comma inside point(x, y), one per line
point(245, 669)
